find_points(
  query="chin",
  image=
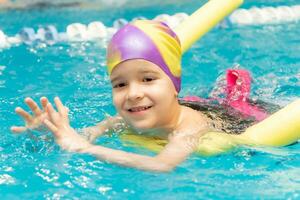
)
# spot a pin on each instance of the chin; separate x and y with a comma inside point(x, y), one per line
point(141, 126)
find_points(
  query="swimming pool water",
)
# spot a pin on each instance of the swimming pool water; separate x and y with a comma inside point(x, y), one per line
point(76, 72)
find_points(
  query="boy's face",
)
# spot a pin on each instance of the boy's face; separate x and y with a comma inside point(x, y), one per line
point(143, 94)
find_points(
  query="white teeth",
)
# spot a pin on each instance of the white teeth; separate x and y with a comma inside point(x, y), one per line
point(138, 109)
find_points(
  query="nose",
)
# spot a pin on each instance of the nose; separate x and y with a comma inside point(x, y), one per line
point(134, 92)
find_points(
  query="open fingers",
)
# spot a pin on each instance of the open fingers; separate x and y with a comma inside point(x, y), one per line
point(44, 102)
point(54, 116)
point(18, 129)
point(60, 107)
point(22, 113)
point(51, 127)
point(33, 106)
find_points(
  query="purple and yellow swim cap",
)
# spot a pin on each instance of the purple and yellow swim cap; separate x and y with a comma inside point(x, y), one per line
point(150, 40)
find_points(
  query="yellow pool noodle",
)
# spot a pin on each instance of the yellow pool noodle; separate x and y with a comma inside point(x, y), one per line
point(203, 20)
point(280, 129)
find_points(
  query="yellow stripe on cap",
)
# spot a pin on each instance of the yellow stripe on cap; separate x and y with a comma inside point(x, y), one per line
point(168, 46)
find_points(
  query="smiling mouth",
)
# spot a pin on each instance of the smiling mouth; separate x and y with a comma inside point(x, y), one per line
point(139, 109)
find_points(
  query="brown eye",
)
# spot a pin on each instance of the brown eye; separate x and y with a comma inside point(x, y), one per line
point(119, 85)
point(148, 79)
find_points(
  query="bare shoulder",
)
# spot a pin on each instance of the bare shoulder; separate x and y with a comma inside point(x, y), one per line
point(193, 123)
point(196, 117)
point(186, 137)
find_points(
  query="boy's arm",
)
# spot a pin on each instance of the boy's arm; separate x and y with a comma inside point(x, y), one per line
point(109, 124)
point(175, 152)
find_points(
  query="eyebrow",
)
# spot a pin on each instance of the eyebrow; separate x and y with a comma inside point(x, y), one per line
point(114, 79)
point(143, 71)
point(148, 71)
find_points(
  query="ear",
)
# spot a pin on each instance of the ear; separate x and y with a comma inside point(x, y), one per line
point(175, 94)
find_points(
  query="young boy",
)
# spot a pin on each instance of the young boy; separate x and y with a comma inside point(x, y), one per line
point(143, 60)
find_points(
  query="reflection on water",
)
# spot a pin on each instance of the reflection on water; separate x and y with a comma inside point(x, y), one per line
point(2, 82)
point(89, 4)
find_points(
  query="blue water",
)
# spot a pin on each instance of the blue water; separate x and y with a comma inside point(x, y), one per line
point(35, 169)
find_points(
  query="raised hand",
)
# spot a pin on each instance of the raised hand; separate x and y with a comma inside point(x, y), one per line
point(58, 123)
point(34, 121)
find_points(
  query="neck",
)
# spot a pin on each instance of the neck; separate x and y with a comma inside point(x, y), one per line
point(175, 121)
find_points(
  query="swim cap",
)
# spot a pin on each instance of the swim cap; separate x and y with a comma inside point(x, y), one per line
point(150, 40)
